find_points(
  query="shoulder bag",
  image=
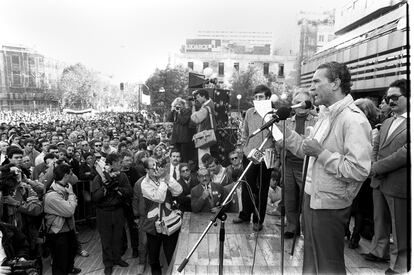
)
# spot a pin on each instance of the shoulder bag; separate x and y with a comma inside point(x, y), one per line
point(168, 225)
point(206, 138)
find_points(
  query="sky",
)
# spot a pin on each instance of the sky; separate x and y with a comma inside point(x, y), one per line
point(129, 39)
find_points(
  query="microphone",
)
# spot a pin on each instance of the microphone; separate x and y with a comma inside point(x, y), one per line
point(282, 114)
point(303, 105)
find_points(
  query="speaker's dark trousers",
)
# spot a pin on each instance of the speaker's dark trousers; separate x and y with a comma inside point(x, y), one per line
point(324, 239)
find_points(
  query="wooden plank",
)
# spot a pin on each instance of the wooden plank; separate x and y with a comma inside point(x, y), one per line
point(234, 249)
point(212, 269)
point(192, 239)
point(202, 251)
point(239, 247)
point(201, 269)
point(245, 253)
point(213, 249)
point(270, 254)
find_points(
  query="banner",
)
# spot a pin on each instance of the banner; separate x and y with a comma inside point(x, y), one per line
point(77, 112)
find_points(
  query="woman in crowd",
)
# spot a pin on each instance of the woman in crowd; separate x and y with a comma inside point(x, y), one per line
point(362, 206)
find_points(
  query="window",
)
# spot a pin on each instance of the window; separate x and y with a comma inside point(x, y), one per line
point(32, 80)
point(320, 38)
point(205, 65)
point(281, 70)
point(236, 66)
point(16, 78)
point(190, 65)
point(221, 69)
point(15, 60)
point(31, 61)
point(266, 68)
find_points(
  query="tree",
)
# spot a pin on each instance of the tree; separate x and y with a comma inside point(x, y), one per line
point(173, 80)
point(78, 86)
point(243, 82)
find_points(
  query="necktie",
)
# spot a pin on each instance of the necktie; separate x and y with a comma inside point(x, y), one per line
point(175, 174)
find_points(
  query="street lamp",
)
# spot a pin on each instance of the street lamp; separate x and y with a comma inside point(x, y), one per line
point(162, 90)
point(239, 96)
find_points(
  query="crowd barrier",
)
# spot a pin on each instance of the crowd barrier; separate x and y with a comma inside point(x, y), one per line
point(86, 209)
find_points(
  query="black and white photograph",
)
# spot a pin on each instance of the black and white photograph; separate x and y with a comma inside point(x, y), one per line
point(205, 137)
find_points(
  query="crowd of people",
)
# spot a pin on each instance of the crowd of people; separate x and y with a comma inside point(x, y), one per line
point(142, 174)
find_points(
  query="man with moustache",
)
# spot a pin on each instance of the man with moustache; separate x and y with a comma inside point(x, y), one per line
point(207, 196)
point(74, 163)
point(339, 151)
point(187, 183)
point(390, 184)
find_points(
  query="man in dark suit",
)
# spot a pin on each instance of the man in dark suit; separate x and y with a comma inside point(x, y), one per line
point(390, 183)
point(187, 183)
point(206, 196)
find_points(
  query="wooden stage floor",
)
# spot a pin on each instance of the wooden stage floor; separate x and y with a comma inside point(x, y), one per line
point(238, 251)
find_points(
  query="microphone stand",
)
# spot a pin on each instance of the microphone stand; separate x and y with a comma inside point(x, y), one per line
point(282, 208)
point(222, 216)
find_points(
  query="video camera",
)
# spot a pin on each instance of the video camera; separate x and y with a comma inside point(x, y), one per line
point(29, 267)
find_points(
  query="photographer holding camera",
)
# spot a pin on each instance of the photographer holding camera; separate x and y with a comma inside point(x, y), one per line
point(110, 189)
point(59, 206)
point(182, 132)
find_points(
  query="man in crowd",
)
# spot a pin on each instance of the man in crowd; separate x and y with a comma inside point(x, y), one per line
point(252, 122)
point(30, 151)
point(133, 176)
point(390, 183)
point(302, 119)
point(106, 147)
point(182, 134)
point(175, 158)
point(187, 183)
point(44, 143)
point(339, 149)
point(59, 206)
point(74, 163)
point(207, 196)
point(110, 189)
point(204, 118)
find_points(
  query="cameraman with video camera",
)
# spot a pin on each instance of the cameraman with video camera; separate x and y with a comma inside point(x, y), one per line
point(110, 189)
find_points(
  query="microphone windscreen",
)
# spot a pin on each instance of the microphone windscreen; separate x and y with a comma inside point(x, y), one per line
point(283, 112)
point(274, 98)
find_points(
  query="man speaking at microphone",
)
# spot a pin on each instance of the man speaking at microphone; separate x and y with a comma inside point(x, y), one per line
point(339, 161)
point(252, 122)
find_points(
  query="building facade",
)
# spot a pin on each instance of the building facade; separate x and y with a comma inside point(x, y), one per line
point(315, 31)
point(372, 41)
point(28, 80)
point(226, 52)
